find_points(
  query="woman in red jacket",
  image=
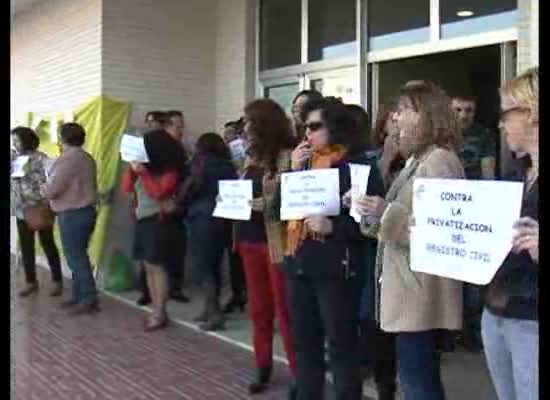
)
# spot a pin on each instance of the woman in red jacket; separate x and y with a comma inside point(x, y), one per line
point(157, 232)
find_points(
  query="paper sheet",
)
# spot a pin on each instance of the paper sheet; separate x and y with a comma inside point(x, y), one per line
point(235, 197)
point(463, 228)
point(132, 149)
point(359, 180)
point(306, 193)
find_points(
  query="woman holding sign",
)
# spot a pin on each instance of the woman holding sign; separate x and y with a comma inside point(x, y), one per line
point(260, 240)
point(211, 163)
point(509, 326)
point(323, 274)
point(415, 306)
point(158, 228)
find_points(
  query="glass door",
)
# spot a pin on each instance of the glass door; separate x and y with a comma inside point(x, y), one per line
point(340, 83)
point(282, 91)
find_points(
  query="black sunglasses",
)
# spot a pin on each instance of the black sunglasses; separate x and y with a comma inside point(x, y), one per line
point(314, 126)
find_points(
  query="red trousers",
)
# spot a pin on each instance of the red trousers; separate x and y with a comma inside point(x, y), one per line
point(267, 298)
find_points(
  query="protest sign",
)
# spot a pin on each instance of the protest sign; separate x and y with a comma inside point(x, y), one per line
point(359, 180)
point(132, 149)
point(234, 200)
point(306, 193)
point(18, 166)
point(238, 149)
point(463, 228)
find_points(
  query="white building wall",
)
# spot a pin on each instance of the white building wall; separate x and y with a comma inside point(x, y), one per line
point(56, 55)
point(161, 55)
point(528, 31)
point(235, 58)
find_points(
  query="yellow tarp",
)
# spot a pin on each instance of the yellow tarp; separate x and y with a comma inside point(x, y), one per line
point(104, 120)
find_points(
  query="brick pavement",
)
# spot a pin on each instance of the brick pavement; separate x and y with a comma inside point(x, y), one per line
point(108, 356)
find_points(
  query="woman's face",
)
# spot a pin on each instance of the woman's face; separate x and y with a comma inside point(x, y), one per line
point(514, 124)
point(406, 119)
point(316, 132)
point(391, 127)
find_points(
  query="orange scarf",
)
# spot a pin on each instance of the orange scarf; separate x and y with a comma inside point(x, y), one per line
point(297, 231)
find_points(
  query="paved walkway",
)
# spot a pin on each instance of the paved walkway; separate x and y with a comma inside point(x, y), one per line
point(108, 356)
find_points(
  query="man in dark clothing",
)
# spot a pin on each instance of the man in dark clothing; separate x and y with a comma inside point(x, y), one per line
point(477, 154)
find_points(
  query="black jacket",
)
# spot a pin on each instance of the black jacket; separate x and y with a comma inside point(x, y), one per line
point(206, 172)
point(340, 254)
point(516, 281)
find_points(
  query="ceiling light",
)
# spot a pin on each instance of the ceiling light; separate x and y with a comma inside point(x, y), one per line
point(465, 13)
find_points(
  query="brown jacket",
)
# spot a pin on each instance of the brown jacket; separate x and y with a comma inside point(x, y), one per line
point(411, 301)
point(275, 229)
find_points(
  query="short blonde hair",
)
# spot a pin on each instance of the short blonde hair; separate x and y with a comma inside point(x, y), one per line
point(524, 90)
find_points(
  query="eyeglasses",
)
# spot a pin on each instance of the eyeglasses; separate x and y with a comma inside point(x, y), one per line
point(505, 113)
point(314, 126)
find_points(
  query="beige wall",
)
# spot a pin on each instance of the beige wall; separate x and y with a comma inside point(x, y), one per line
point(161, 55)
point(528, 29)
point(235, 58)
point(56, 55)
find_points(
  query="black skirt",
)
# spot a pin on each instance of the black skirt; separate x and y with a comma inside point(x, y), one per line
point(156, 237)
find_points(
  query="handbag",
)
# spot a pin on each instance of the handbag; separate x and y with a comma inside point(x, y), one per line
point(39, 217)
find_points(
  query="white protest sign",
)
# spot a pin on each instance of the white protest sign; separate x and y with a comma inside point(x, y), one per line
point(463, 228)
point(238, 149)
point(314, 192)
point(132, 149)
point(359, 179)
point(234, 200)
point(18, 165)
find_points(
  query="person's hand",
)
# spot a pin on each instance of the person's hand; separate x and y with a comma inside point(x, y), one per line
point(300, 155)
point(257, 204)
point(373, 206)
point(136, 167)
point(526, 237)
point(346, 199)
point(319, 224)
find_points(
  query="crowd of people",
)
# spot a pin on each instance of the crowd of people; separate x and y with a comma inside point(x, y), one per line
point(330, 283)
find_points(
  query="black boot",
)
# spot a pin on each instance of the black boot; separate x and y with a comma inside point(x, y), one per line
point(386, 393)
point(262, 381)
point(215, 320)
point(292, 391)
point(234, 303)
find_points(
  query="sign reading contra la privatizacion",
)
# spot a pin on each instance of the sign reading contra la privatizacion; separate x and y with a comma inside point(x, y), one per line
point(463, 228)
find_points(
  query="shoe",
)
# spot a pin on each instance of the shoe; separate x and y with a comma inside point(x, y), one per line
point(83, 309)
point(156, 322)
point(29, 289)
point(68, 304)
point(213, 324)
point(262, 381)
point(56, 290)
point(234, 303)
point(143, 300)
point(292, 391)
point(179, 297)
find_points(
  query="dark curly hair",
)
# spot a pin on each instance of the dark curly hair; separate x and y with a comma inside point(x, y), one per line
point(164, 154)
point(270, 132)
point(211, 143)
point(27, 137)
point(340, 122)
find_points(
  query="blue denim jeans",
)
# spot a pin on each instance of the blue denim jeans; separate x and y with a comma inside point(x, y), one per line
point(512, 351)
point(419, 369)
point(76, 228)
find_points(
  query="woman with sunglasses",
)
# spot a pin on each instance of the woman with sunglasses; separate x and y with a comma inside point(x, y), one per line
point(415, 306)
point(322, 272)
